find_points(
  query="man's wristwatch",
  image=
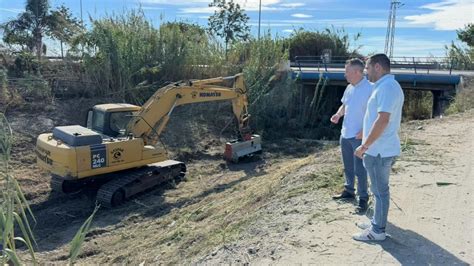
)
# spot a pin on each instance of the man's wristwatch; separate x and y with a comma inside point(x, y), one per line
point(364, 147)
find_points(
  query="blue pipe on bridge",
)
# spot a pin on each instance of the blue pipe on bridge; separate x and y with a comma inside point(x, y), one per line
point(440, 79)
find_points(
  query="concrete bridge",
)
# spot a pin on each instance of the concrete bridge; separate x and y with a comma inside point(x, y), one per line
point(441, 80)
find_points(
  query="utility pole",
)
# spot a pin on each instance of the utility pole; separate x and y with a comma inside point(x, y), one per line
point(82, 22)
point(82, 25)
point(259, 16)
point(389, 37)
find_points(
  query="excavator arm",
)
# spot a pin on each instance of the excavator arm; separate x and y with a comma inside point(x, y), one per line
point(152, 118)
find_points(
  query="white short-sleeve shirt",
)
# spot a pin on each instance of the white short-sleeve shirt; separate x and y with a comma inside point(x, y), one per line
point(387, 97)
point(355, 103)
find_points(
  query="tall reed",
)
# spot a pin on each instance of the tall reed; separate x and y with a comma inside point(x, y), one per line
point(123, 51)
point(15, 210)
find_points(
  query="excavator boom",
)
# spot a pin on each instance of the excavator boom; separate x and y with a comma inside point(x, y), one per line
point(155, 113)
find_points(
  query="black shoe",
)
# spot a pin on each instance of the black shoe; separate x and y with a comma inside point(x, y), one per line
point(362, 205)
point(344, 195)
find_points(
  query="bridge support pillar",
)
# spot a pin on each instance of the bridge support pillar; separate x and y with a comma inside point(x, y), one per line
point(441, 100)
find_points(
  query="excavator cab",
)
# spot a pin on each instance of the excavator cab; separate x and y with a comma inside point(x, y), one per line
point(111, 119)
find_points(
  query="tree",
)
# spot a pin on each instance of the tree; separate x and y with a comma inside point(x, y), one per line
point(229, 22)
point(63, 26)
point(467, 34)
point(461, 56)
point(29, 28)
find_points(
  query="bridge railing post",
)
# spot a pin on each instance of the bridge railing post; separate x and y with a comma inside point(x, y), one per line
point(298, 62)
point(414, 64)
point(451, 63)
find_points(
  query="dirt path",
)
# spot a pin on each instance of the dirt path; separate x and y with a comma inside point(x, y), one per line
point(431, 212)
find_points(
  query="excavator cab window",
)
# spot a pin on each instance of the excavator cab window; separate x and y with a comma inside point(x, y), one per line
point(98, 121)
point(118, 122)
point(112, 124)
point(89, 118)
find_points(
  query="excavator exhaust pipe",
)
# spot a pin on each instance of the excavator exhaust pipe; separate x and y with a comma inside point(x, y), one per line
point(237, 149)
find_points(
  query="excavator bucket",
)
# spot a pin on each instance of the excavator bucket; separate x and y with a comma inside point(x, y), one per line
point(238, 149)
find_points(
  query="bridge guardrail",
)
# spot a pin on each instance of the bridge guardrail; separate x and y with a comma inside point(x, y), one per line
point(415, 63)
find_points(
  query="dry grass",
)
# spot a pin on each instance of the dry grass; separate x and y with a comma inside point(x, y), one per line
point(213, 209)
point(330, 179)
point(218, 218)
point(464, 99)
point(417, 105)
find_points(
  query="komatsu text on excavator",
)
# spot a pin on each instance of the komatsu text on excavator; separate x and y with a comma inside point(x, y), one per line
point(117, 152)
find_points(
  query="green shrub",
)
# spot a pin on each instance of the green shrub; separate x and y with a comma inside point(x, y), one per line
point(279, 105)
point(269, 92)
point(25, 63)
point(418, 105)
point(462, 56)
point(464, 99)
point(313, 43)
point(34, 88)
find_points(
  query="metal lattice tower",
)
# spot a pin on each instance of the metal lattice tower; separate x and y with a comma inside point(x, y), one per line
point(389, 37)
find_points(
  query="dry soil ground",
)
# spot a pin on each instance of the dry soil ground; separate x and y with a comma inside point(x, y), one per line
point(430, 218)
point(275, 210)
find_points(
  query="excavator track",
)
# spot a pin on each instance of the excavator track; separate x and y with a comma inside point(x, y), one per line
point(126, 184)
point(65, 186)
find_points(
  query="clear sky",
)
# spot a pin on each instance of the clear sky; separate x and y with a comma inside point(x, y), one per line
point(423, 27)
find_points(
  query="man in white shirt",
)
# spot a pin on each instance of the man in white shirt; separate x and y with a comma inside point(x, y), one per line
point(354, 103)
point(380, 143)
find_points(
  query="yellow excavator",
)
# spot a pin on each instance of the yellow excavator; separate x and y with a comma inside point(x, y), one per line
point(117, 151)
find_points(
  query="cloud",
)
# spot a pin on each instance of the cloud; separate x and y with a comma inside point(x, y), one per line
point(174, 2)
point(405, 46)
point(12, 10)
point(151, 8)
point(198, 10)
point(288, 31)
point(346, 23)
point(196, 6)
point(253, 5)
point(246, 4)
point(292, 5)
point(300, 15)
point(445, 15)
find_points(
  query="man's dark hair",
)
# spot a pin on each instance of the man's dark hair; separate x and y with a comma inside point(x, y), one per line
point(356, 62)
point(380, 59)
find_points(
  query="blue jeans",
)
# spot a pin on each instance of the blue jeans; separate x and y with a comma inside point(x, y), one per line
point(379, 172)
point(353, 167)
